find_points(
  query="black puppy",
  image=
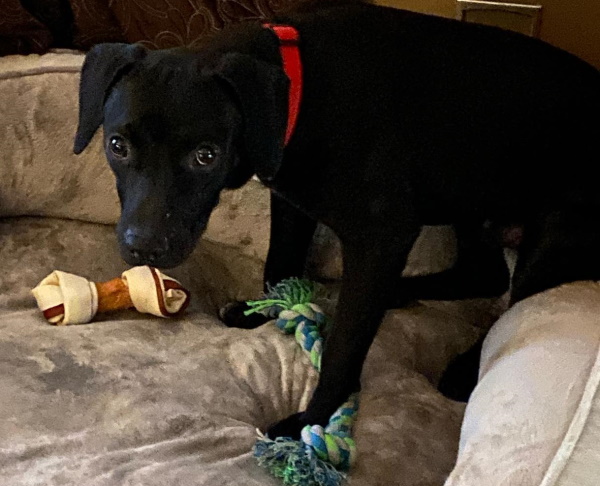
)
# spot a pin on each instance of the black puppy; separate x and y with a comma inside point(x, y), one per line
point(405, 120)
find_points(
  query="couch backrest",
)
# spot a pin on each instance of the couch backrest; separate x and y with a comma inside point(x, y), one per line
point(39, 173)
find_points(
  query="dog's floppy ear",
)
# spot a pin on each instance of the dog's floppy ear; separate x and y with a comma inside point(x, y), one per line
point(261, 92)
point(103, 65)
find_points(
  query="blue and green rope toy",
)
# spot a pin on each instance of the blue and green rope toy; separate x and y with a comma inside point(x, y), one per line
point(323, 454)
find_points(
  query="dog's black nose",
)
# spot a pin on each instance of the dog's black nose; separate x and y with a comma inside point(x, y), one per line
point(143, 247)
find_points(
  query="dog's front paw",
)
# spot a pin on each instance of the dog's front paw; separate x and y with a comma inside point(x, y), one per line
point(289, 427)
point(233, 315)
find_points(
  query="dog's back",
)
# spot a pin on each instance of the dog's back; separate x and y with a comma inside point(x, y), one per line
point(483, 119)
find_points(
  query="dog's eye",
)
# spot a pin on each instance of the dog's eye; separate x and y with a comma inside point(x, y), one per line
point(205, 155)
point(118, 147)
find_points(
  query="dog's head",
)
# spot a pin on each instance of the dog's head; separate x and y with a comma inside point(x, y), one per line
point(178, 128)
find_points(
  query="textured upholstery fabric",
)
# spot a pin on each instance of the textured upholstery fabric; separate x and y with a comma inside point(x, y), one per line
point(20, 32)
point(533, 419)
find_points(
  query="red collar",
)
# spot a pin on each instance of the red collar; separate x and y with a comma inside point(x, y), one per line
point(292, 65)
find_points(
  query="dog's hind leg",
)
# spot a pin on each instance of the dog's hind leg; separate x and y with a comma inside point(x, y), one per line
point(558, 248)
point(461, 375)
point(480, 270)
point(291, 234)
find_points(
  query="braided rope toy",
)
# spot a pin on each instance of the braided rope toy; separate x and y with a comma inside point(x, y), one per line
point(323, 453)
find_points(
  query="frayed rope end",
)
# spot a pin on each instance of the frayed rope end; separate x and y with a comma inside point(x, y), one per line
point(284, 296)
point(294, 463)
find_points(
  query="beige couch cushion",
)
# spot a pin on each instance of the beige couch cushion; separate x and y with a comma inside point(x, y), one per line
point(534, 418)
point(132, 400)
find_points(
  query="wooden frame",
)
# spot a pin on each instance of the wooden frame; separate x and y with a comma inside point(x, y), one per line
point(533, 12)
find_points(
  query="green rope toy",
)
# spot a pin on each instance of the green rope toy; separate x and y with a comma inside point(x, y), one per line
point(323, 453)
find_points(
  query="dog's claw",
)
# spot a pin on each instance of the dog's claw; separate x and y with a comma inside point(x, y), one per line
point(289, 427)
point(232, 315)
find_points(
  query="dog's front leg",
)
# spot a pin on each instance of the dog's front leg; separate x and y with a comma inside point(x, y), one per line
point(370, 271)
point(291, 234)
